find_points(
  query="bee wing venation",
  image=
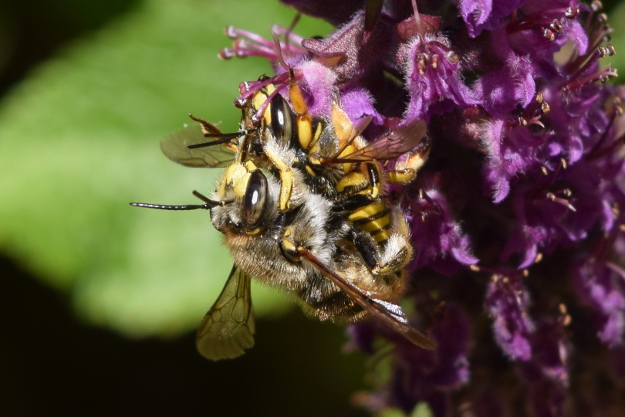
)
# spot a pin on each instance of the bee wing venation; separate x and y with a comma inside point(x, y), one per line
point(228, 327)
point(175, 147)
point(398, 142)
point(388, 313)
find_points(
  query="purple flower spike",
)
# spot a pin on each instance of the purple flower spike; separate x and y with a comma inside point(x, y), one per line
point(510, 82)
point(507, 302)
point(437, 235)
point(517, 214)
point(602, 287)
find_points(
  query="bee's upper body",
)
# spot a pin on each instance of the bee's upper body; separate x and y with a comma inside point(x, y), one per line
point(253, 227)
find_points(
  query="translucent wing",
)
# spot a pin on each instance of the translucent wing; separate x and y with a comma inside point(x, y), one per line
point(175, 147)
point(388, 313)
point(396, 143)
point(228, 327)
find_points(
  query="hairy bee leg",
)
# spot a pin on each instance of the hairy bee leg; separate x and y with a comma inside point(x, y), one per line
point(409, 164)
point(395, 255)
point(397, 251)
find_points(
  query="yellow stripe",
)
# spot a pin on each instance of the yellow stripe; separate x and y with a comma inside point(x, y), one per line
point(382, 236)
point(367, 211)
point(376, 224)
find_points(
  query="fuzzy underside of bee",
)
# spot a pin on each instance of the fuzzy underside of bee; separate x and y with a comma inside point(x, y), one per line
point(302, 208)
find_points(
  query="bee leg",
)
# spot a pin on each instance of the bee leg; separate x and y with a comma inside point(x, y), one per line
point(365, 245)
point(397, 249)
point(288, 247)
point(395, 255)
point(409, 164)
point(279, 225)
point(373, 172)
point(286, 177)
point(286, 188)
point(305, 132)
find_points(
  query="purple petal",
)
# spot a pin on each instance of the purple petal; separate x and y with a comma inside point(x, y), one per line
point(603, 289)
point(507, 302)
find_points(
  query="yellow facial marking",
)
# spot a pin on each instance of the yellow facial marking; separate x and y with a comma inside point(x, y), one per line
point(250, 166)
point(258, 99)
point(232, 177)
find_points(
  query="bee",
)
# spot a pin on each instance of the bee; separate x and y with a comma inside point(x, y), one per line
point(301, 212)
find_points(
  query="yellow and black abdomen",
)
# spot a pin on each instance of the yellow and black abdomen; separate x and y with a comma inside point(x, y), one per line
point(360, 191)
point(373, 218)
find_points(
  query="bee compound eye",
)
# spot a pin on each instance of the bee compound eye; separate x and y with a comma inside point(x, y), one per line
point(255, 198)
point(281, 121)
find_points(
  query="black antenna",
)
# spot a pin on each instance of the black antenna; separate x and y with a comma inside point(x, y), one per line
point(166, 207)
point(207, 200)
point(207, 206)
point(221, 138)
point(225, 138)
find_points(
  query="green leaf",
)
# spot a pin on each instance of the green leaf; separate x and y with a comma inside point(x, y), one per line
point(80, 139)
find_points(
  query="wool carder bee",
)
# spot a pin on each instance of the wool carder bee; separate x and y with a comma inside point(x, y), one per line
point(305, 216)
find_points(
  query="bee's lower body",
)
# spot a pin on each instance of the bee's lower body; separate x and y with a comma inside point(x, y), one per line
point(336, 307)
point(321, 298)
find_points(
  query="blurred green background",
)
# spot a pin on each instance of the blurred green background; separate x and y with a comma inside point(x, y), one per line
point(99, 301)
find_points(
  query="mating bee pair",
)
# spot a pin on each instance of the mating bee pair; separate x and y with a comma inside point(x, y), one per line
point(302, 208)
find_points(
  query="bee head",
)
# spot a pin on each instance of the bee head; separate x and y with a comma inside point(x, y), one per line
point(249, 200)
